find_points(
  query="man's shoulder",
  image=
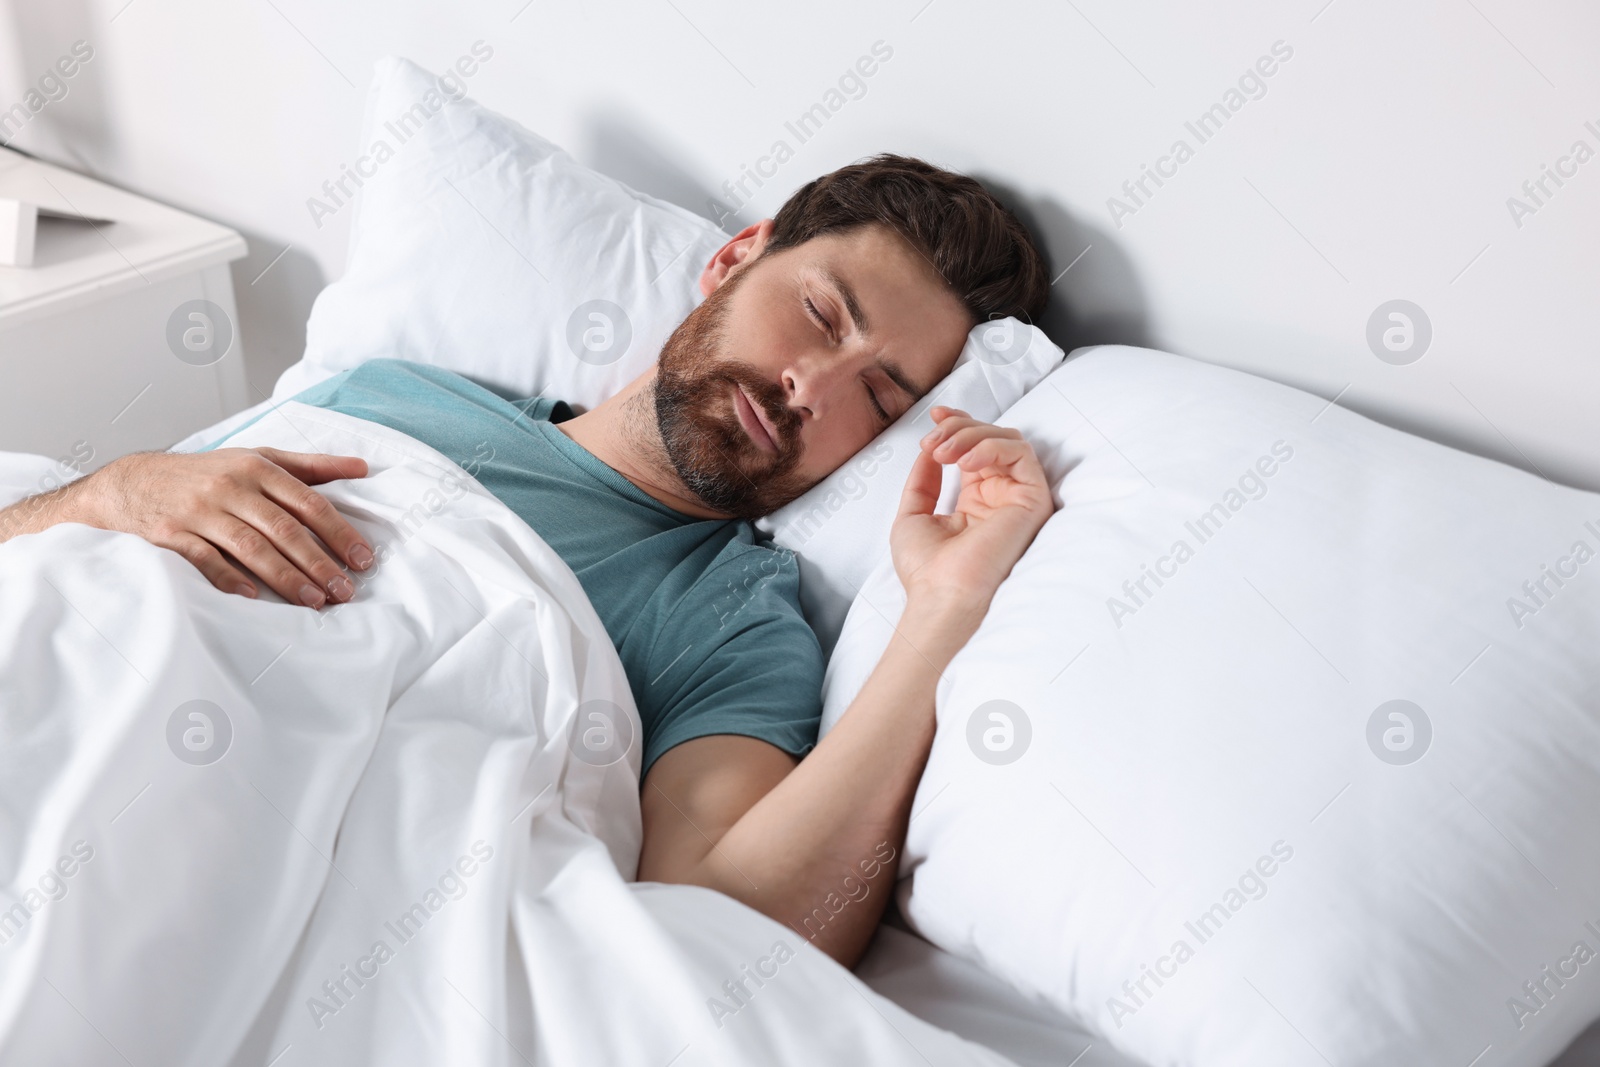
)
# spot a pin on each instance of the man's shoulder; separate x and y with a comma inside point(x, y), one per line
point(389, 367)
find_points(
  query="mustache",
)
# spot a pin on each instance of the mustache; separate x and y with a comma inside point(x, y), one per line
point(768, 396)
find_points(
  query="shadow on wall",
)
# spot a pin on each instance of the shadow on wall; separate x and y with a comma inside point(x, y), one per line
point(73, 129)
point(274, 294)
point(1583, 1052)
point(617, 146)
point(1095, 296)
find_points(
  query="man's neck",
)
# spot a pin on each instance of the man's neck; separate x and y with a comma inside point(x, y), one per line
point(623, 434)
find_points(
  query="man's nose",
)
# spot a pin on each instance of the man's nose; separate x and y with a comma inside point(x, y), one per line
point(811, 383)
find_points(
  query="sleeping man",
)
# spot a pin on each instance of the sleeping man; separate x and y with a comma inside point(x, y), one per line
point(819, 328)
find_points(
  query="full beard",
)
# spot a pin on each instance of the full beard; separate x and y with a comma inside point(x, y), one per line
point(698, 420)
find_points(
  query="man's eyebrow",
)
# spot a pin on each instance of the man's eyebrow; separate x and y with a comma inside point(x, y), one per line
point(851, 304)
point(896, 374)
point(893, 371)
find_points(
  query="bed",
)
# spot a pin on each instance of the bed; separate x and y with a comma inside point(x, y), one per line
point(948, 990)
point(1042, 875)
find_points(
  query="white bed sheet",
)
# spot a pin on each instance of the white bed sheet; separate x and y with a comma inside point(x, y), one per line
point(225, 904)
point(928, 982)
point(961, 997)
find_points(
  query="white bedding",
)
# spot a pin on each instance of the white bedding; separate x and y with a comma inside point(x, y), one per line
point(960, 996)
point(398, 771)
point(595, 950)
point(1087, 825)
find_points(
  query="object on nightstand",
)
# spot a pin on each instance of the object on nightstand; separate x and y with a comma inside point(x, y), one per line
point(122, 335)
point(19, 224)
point(19, 220)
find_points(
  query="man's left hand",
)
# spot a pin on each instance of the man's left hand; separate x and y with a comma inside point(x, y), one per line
point(957, 561)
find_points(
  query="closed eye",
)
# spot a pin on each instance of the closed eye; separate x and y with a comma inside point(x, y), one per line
point(883, 416)
point(872, 397)
point(811, 309)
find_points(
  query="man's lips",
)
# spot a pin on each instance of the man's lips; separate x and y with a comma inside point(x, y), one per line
point(754, 421)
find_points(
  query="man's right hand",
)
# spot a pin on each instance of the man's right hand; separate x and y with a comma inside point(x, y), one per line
point(255, 504)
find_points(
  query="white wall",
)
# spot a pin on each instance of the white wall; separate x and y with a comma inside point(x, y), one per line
point(1376, 166)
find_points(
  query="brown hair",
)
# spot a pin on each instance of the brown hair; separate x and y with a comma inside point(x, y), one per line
point(986, 257)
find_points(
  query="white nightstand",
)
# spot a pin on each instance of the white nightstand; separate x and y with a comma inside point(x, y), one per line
point(120, 337)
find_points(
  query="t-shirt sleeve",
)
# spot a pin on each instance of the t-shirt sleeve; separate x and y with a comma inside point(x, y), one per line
point(736, 656)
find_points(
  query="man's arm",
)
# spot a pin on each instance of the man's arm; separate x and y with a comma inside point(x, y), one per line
point(255, 504)
point(799, 842)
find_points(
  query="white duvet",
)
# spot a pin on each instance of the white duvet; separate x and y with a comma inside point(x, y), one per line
point(243, 832)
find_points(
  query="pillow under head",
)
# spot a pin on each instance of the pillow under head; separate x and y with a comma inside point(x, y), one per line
point(483, 248)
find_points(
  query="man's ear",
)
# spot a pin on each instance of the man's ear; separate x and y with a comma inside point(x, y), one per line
point(745, 246)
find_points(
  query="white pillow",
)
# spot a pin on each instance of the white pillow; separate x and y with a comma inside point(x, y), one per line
point(1204, 788)
point(840, 528)
point(481, 247)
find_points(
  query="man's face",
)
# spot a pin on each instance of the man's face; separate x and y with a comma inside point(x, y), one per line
point(798, 359)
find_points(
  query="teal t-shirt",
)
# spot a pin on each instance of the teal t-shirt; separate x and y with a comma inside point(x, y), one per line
point(705, 618)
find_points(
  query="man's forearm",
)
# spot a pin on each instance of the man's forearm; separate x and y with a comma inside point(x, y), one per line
point(738, 815)
point(843, 812)
point(41, 511)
